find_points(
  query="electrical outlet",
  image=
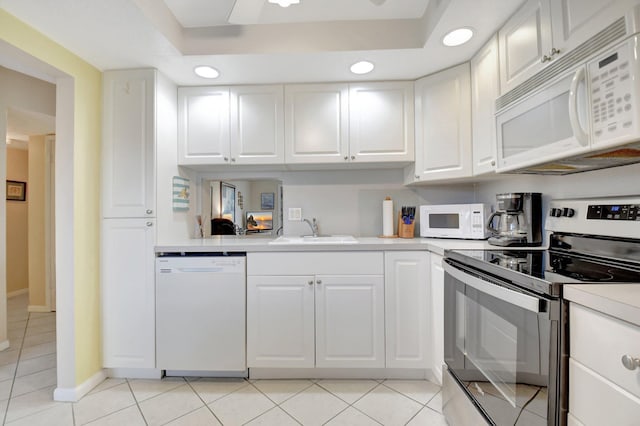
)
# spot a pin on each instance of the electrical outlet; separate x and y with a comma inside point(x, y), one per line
point(295, 214)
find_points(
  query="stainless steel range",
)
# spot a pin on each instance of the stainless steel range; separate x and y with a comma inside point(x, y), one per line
point(506, 322)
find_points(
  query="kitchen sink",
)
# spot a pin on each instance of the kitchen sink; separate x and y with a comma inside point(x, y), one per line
point(321, 239)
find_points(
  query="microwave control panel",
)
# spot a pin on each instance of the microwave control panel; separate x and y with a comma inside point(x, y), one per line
point(612, 88)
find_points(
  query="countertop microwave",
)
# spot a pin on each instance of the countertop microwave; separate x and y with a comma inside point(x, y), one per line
point(585, 117)
point(466, 221)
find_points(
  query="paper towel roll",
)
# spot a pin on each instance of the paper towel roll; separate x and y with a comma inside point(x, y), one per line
point(387, 217)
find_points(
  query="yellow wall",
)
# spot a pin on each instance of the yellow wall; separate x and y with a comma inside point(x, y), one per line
point(86, 190)
point(17, 252)
point(37, 295)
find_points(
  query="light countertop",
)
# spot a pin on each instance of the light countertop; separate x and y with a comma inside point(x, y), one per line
point(618, 300)
point(261, 244)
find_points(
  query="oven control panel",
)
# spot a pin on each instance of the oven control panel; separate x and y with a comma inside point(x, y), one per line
point(614, 212)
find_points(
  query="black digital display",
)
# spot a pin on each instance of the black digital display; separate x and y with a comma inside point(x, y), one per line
point(444, 220)
point(615, 208)
point(606, 61)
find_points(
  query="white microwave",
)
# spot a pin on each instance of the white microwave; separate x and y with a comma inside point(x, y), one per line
point(580, 120)
point(466, 221)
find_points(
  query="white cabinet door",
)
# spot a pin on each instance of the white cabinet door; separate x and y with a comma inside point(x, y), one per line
point(407, 307)
point(575, 21)
point(316, 123)
point(280, 321)
point(128, 149)
point(443, 125)
point(203, 125)
point(381, 122)
point(485, 88)
point(350, 321)
point(524, 40)
point(128, 293)
point(257, 125)
point(437, 315)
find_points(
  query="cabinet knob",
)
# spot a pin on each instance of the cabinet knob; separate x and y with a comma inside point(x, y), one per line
point(233, 160)
point(346, 158)
point(310, 282)
point(545, 58)
point(554, 51)
point(149, 223)
point(417, 176)
point(319, 282)
point(353, 157)
point(630, 363)
point(226, 158)
point(493, 162)
point(149, 211)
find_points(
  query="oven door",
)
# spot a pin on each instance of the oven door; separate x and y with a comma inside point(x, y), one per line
point(501, 344)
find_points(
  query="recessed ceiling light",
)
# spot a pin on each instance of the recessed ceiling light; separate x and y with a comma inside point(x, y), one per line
point(284, 3)
point(457, 37)
point(362, 67)
point(206, 71)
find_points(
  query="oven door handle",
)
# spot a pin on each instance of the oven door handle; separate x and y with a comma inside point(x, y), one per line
point(524, 301)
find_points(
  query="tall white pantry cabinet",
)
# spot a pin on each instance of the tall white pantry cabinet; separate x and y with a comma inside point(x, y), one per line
point(128, 218)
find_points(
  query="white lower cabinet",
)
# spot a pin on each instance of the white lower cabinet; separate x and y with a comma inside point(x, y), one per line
point(601, 390)
point(323, 309)
point(407, 308)
point(128, 293)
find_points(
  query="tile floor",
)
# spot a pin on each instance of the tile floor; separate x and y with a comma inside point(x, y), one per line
point(28, 377)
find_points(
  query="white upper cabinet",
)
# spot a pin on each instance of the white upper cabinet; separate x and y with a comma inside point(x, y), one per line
point(542, 31)
point(381, 122)
point(443, 125)
point(485, 88)
point(316, 123)
point(203, 125)
point(238, 125)
point(525, 40)
point(128, 148)
point(257, 124)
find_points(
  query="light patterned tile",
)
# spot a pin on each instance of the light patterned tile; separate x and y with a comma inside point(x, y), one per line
point(145, 389)
point(130, 416)
point(37, 339)
point(421, 391)
point(107, 384)
point(7, 371)
point(280, 390)
point(348, 390)
point(213, 389)
point(30, 403)
point(427, 416)
point(436, 403)
point(33, 365)
point(9, 356)
point(314, 406)
point(241, 406)
point(388, 406)
point(170, 405)
point(5, 389)
point(41, 328)
point(352, 417)
point(275, 416)
point(38, 350)
point(200, 417)
point(60, 414)
point(35, 381)
point(99, 404)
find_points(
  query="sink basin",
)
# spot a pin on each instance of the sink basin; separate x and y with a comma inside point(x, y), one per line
point(322, 239)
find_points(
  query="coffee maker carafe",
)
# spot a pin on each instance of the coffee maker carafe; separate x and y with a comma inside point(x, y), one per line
point(517, 220)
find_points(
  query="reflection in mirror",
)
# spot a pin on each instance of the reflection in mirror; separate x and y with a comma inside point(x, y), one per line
point(253, 206)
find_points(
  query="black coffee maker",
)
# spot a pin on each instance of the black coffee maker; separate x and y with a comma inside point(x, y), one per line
point(517, 220)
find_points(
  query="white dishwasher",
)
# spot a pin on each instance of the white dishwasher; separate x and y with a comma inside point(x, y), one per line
point(200, 313)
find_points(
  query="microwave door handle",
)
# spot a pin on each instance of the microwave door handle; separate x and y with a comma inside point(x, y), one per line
point(520, 300)
point(580, 134)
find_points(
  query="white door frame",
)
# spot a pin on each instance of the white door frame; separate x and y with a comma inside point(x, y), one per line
point(50, 222)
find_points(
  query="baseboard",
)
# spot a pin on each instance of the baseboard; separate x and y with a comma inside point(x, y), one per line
point(38, 308)
point(4, 345)
point(18, 292)
point(74, 394)
point(134, 373)
point(340, 373)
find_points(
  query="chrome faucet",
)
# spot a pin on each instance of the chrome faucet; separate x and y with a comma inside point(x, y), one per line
point(313, 226)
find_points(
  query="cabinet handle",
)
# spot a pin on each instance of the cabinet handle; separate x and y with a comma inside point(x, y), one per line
point(346, 158)
point(417, 176)
point(226, 158)
point(319, 282)
point(149, 223)
point(149, 211)
point(493, 162)
point(630, 363)
point(233, 160)
point(353, 157)
point(310, 282)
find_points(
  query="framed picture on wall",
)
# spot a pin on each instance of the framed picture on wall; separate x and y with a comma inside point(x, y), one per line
point(16, 190)
point(228, 201)
point(267, 200)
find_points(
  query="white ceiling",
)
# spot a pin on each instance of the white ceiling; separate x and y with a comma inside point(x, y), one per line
point(316, 40)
